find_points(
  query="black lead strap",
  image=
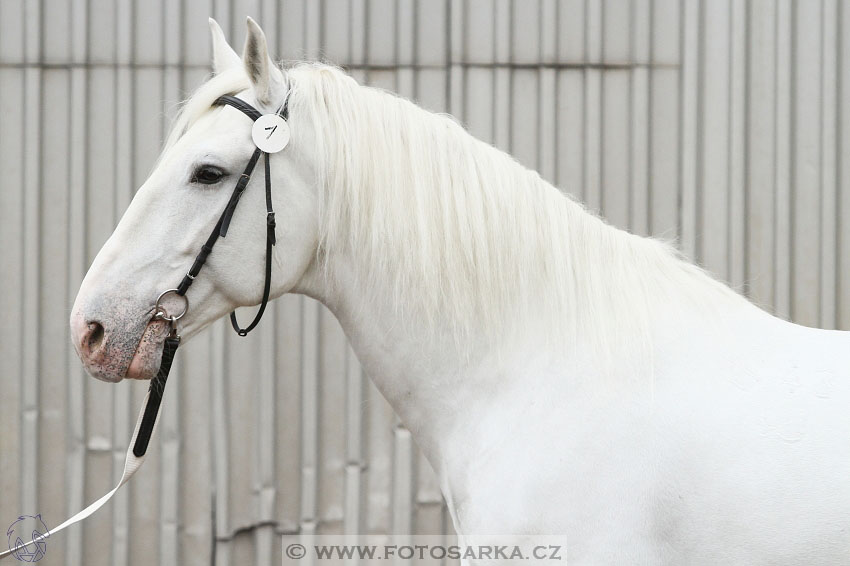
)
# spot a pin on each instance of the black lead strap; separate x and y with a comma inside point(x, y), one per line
point(155, 391)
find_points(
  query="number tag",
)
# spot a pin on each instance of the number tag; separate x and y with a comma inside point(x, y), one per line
point(270, 133)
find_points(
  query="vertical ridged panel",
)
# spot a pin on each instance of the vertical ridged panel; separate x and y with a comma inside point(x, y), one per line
point(806, 73)
point(12, 253)
point(843, 143)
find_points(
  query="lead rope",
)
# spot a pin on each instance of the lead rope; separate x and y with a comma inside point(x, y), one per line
point(145, 426)
point(148, 416)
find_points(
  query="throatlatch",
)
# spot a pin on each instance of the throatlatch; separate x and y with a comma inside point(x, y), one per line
point(272, 136)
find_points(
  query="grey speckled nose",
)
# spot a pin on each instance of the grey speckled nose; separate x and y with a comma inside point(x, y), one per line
point(91, 341)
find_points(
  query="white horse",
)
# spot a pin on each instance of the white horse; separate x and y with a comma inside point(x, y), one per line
point(561, 376)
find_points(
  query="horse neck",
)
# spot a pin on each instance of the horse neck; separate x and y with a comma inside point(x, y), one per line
point(422, 377)
point(616, 285)
point(439, 389)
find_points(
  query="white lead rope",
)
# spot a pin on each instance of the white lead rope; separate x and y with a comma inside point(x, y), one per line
point(148, 419)
point(131, 464)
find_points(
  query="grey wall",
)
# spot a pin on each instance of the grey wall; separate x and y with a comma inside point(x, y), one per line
point(723, 123)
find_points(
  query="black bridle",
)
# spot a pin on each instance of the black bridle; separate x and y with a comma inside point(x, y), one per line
point(220, 231)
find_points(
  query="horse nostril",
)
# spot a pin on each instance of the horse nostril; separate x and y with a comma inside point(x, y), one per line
point(94, 336)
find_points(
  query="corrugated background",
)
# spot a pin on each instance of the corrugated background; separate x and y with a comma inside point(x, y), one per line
point(724, 123)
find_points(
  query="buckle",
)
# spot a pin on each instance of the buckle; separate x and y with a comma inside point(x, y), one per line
point(242, 182)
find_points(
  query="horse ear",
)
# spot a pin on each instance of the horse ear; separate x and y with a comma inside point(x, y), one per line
point(267, 78)
point(224, 57)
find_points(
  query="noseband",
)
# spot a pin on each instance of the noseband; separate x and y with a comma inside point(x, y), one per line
point(266, 144)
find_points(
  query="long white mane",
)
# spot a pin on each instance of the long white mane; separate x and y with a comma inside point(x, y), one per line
point(460, 235)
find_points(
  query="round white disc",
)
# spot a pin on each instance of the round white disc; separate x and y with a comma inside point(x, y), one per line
point(270, 133)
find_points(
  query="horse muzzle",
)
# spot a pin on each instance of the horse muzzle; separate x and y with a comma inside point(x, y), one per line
point(112, 349)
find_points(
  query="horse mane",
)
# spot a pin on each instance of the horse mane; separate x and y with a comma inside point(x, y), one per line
point(459, 235)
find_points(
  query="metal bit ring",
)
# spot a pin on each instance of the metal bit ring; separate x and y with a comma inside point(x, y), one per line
point(161, 314)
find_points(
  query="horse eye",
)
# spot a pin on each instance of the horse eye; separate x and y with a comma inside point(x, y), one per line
point(207, 175)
